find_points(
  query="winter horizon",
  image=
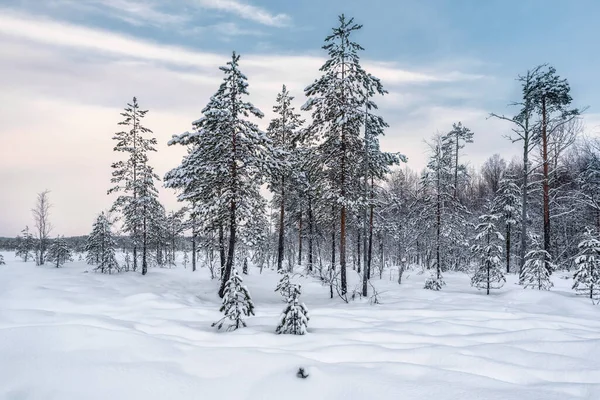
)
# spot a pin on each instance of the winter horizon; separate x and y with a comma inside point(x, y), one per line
point(70, 67)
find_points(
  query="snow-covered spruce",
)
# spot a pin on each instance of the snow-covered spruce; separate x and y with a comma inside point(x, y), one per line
point(294, 319)
point(507, 204)
point(489, 274)
point(59, 252)
point(101, 245)
point(587, 277)
point(26, 245)
point(237, 303)
point(538, 266)
point(434, 282)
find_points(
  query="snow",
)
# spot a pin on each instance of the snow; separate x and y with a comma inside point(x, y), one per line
point(67, 334)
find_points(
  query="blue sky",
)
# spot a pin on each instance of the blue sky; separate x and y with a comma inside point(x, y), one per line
point(69, 66)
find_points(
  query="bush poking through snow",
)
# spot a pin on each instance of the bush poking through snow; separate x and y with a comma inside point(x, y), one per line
point(294, 319)
point(587, 276)
point(537, 268)
point(301, 373)
point(2, 260)
point(59, 252)
point(237, 303)
point(434, 282)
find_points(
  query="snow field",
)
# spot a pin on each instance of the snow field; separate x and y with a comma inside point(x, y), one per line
point(68, 334)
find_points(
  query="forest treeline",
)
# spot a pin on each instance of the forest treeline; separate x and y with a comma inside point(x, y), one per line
point(340, 204)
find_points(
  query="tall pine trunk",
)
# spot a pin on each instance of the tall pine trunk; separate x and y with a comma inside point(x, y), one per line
point(194, 246)
point(300, 240)
point(281, 227)
point(222, 259)
point(144, 245)
point(310, 235)
point(507, 248)
point(546, 184)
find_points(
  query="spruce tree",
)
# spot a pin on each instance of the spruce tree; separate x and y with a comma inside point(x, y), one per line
point(456, 140)
point(2, 260)
point(587, 277)
point(237, 303)
point(507, 204)
point(536, 271)
point(26, 245)
point(294, 319)
point(489, 274)
point(228, 159)
point(101, 246)
point(134, 179)
point(59, 252)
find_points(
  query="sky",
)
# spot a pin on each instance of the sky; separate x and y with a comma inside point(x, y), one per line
point(68, 67)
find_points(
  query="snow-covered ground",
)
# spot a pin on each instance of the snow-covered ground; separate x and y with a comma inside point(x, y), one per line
point(66, 334)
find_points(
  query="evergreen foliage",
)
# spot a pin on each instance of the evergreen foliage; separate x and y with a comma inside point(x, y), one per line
point(237, 303)
point(489, 273)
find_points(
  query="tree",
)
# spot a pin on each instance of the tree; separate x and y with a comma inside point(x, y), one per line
point(587, 277)
point(285, 135)
point(524, 129)
point(229, 156)
point(441, 212)
point(489, 273)
point(2, 260)
point(101, 245)
point(550, 99)
point(456, 140)
point(507, 204)
point(43, 227)
point(134, 179)
point(237, 303)
point(59, 252)
point(26, 245)
point(536, 271)
point(294, 319)
point(337, 101)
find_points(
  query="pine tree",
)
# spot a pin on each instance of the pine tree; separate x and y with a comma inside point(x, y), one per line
point(228, 159)
point(59, 252)
point(237, 303)
point(489, 273)
point(26, 245)
point(285, 134)
point(101, 246)
point(294, 319)
point(536, 271)
point(456, 140)
point(2, 260)
point(134, 178)
point(337, 101)
point(507, 204)
point(587, 277)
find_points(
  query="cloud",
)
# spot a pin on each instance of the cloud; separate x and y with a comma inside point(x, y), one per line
point(64, 86)
point(246, 11)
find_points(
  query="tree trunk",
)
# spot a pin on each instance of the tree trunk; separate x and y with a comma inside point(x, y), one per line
point(370, 251)
point(524, 202)
point(358, 250)
point(310, 235)
point(300, 240)
point(507, 248)
point(144, 246)
point(194, 247)
point(332, 270)
point(231, 250)
point(281, 228)
point(221, 250)
point(546, 185)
